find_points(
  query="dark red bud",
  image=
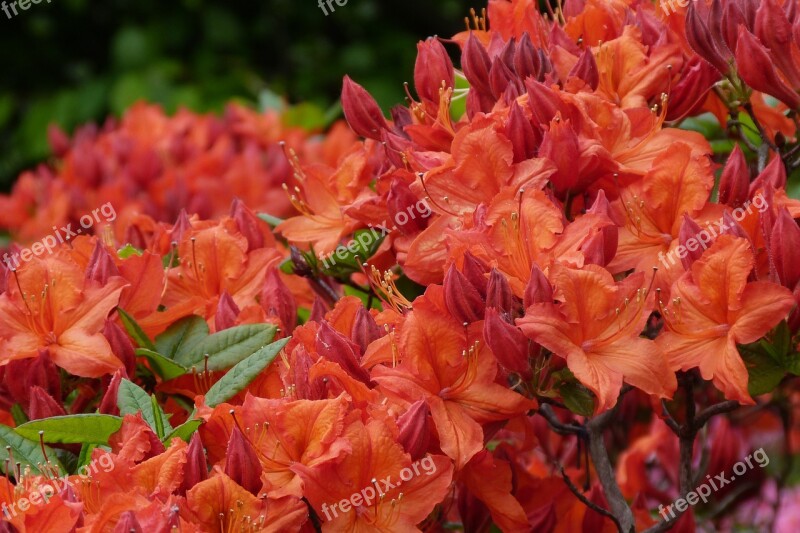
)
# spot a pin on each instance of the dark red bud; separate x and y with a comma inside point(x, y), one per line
point(601, 247)
point(23, 374)
point(252, 227)
point(432, 69)
point(733, 227)
point(42, 405)
point(227, 312)
point(544, 518)
point(689, 94)
point(773, 175)
point(362, 111)
point(757, 70)
point(196, 468)
point(691, 230)
point(586, 69)
point(475, 271)
point(543, 102)
point(785, 249)
point(127, 523)
point(539, 289)
point(773, 28)
point(507, 342)
point(335, 347)
point(101, 265)
point(461, 298)
point(734, 182)
point(524, 137)
point(526, 59)
point(318, 310)
point(277, 300)
point(108, 404)
point(499, 295)
point(500, 77)
point(414, 430)
point(404, 208)
point(121, 345)
point(241, 462)
point(365, 329)
point(560, 144)
point(702, 41)
point(58, 140)
point(477, 66)
point(181, 227)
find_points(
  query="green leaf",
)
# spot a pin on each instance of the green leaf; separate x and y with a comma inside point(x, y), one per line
point(135, 331)
point(577, 398)
point(132, 399)
point(228, 347)
point(18, 414)
point(27, 452)
point(166, 368)
point(72, 429)
point(269, 219)
point(184, 431)
point(128, 251)
point(765, 373)
point(346, 259)
point(85, 457)
point(182, 336)
point(243, 373)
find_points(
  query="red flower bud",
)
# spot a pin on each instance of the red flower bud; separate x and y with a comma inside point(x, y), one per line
point(772, 27)
point(253, 228)
point(601, 247)
point(277, 300)
point(524, 137)
point(318, 310)
point(499, 295)
point(42, 405)
point(586, 69)
point(58, 140)
point(108, 404)
point(414, 430)
point(365, 330)
point(543, 102)
point(335, 347)
point(785, 250)
point(227, 312)
point(477, 69)
point(691, 230)
point(23, 374)
point(689, 94)
point(402, 206)
point(101, 265)
point(362, 111)
point(773, 175)
point(700, 22)
point(507, 342)
point(733, 227)
point(181, 227)
point(121, 346)
point(432, 69)
point(196, 468)
point(241, 462)
point(475, 271)
point(735, 179)
point(757, 70)
point(539, 289)
point(461, 298)
point(526, 59)
point(560, 144)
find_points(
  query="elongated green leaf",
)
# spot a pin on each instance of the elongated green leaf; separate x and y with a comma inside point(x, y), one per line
point(132, 399)
point(27, 452)
point(184, 431)
point(243, 373)
point(72, 429)
point(228, 347)
point(181, 337)
point(166, 368)
point(135, 331)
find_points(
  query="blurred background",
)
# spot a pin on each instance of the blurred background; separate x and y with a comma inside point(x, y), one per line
point(75, 61)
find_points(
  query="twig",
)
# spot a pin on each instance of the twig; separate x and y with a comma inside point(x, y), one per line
point(714, 410)
point(589, 503)
point(748, 107)
point(559, 427)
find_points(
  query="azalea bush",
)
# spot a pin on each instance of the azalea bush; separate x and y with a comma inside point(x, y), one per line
point(556, 290)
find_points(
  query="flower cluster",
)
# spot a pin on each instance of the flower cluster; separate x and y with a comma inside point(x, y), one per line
point(240, 381)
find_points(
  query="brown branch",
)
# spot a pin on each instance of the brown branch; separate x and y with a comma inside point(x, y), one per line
point(589, 503)
point(714, 410)
point(559, 427)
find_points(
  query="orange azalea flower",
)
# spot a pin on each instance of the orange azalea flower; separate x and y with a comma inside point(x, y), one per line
point(375, 466)
point(454, 372)
point(714, 308)
point(596, 328)
point(51, 306)
point(677, 184)
point(219, 505)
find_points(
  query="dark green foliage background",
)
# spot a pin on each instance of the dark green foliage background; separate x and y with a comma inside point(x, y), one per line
point(75, 61)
